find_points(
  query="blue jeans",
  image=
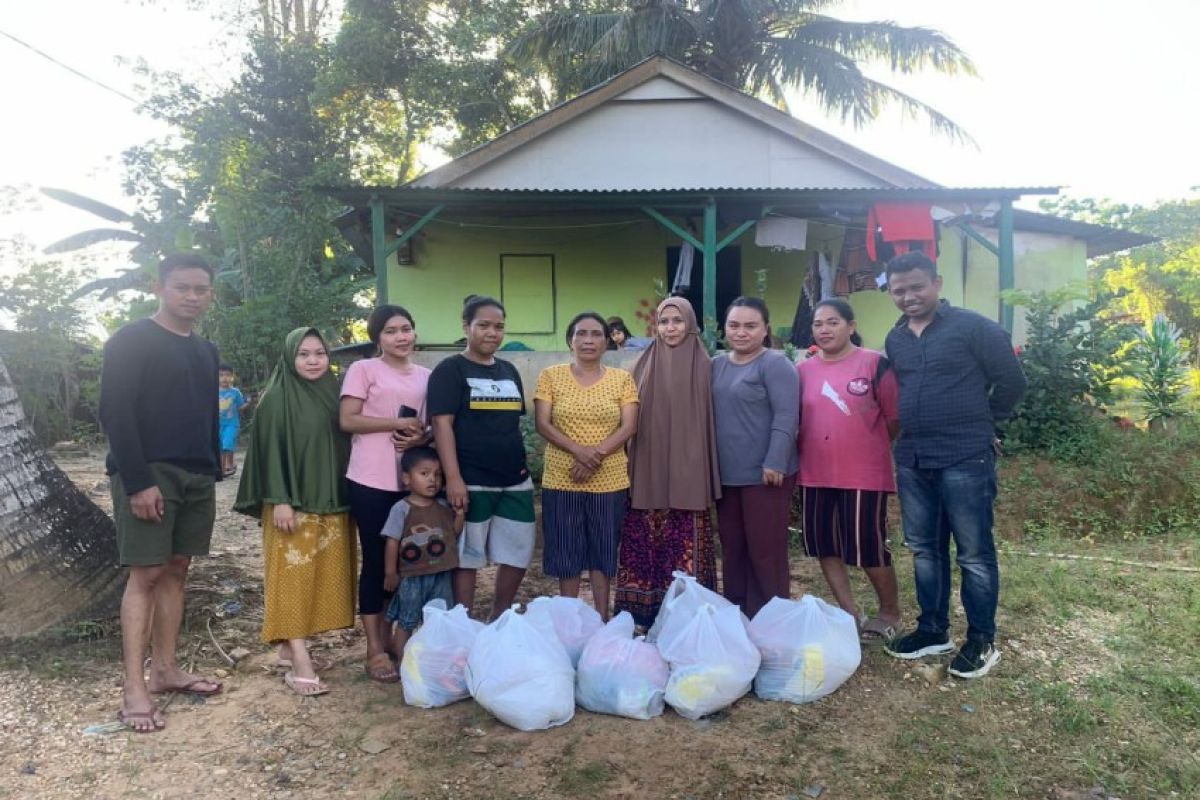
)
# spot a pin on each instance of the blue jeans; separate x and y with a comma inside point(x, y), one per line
point(935, 503)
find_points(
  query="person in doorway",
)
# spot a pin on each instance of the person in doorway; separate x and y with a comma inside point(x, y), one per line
point(230, 403)
point(383, 406)
point(672, 467)
point(756, 403)
point(476, 402)
point(586, 412)
point(958, 379)
point(618, 333)
point(847, 421)
point(158, 407)
point(294, 482)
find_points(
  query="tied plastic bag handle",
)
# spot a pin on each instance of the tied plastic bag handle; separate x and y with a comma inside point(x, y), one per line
point(502, 621)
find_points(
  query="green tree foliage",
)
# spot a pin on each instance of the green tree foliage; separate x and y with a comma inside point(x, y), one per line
point(52, 359)
point(443, 66)
point(248, 163)
point(1070, 360)
point(1161, 278)
point(763, 46)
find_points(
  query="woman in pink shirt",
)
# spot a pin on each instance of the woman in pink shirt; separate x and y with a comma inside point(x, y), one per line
point(848, 417)
point(383, 406)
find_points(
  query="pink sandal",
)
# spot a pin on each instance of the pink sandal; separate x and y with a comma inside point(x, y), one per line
point(305, 687)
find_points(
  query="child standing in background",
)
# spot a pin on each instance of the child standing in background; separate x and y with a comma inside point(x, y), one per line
point(422, 544)
point(230, 403)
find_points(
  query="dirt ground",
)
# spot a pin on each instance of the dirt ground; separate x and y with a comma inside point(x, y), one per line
point(892, 730)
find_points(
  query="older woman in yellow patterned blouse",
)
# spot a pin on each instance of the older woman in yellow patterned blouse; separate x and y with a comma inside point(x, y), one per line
point(586, 412)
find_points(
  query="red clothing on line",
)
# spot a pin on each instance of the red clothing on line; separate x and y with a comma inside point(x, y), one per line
point(903, 224)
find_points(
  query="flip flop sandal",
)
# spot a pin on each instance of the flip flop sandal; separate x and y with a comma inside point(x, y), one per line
point(382, 671)
point(319, 664)
point(128, 719)
point(876, 631)
point(193, 687)
point(305, 687)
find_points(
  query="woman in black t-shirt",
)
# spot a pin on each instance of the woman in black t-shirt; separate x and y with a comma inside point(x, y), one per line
point(476, 401)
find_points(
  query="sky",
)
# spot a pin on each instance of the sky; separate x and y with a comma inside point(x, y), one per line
point(1091, 96)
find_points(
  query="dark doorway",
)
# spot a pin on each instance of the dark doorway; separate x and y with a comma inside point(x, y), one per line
point(729, 280)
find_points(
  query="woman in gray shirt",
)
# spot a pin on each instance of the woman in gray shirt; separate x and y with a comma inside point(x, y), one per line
point(756, 405)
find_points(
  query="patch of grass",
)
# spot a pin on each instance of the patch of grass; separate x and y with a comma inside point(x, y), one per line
point(587, 779)
point(773, 725)
point(1068, 714)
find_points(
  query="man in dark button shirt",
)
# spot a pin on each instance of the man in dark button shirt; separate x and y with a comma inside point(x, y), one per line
point(158, 406)
point(958, 377)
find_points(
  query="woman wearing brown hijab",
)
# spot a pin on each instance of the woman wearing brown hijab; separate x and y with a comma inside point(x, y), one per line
point(672, 467)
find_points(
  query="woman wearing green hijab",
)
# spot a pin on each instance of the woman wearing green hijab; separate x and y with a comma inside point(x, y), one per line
point(294, 481)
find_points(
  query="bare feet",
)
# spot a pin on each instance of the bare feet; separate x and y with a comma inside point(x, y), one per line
point(149, 720)
point(381, 669)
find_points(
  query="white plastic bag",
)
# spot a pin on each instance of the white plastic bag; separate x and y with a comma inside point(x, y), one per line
point(809, 648)
point(569, 618)
point(621, 675)
point(712, 661)
point(684, 596)
point(521, 674)
point(433, 670)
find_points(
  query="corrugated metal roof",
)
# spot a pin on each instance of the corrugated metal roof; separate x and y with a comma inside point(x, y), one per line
point(1101, 239)
point(360, 196)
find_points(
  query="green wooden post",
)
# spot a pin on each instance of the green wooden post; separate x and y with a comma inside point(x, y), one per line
point(978, 237)
point(710, 269)
point(1007, 269)
point(379, 250)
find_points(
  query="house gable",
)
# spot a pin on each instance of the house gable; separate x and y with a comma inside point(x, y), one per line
point(661, 125)
point(665, 143)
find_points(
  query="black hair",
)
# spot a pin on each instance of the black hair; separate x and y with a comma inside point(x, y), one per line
point(176, 261)
point(379, 320)
point(907, 262)
point(759, 305)
point(224, 368)
point(845, 311)
point(475, 302)
point(587, 315)
point(417, 455)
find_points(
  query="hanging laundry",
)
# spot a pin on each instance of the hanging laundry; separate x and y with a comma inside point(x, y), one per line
point(856, 270)
point(810, 292)
point(906, 226)
point(825, 269)
point(683, 270)
point(782, 233)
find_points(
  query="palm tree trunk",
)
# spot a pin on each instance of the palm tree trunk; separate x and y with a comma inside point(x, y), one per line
point(58, 555)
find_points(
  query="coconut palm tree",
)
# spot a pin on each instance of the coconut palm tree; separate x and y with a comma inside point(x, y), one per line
point(764, 47)
point(58, 554)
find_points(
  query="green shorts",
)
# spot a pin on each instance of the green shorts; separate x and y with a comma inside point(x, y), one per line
point(500, 526)
point(186, 527)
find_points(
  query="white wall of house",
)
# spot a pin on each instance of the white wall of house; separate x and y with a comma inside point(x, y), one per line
point(663, 135)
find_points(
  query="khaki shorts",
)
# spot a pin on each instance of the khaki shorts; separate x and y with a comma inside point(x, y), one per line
point(186, 527)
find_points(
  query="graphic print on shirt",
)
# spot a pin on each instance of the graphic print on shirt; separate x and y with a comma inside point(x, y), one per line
point(858, 387)
point(495, 395)
point(423, 541)
point(831, 393)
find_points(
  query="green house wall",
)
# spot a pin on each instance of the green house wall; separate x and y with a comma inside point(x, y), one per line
point(610, 263)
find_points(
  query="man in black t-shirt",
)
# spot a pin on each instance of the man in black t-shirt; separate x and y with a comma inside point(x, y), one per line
point(158, 406)
point(476, 401)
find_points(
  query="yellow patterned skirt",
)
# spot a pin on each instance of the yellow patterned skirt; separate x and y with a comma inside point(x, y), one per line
point(309, 575)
